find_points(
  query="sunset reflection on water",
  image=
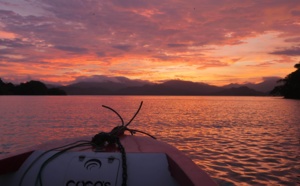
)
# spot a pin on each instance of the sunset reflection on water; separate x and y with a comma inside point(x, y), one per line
point(237, 140)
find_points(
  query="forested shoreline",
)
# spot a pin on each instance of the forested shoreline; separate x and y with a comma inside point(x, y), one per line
point(28, 88)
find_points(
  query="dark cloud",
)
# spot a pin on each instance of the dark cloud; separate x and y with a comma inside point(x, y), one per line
point(296, 13)
point(5, 51)
point(15, 43)
point(295, 51)
point(100, 53)
point(123, 47)
point(3, 64)
point(72, 49)
point(5, 14)
point(133, 3)
point(177, 45)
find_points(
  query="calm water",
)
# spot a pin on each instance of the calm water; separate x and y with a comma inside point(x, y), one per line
point(237, 140)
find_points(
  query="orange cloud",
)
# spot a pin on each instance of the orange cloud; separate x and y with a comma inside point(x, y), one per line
point(59, 41)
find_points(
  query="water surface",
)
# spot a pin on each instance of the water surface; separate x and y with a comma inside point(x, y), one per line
point(237, 140)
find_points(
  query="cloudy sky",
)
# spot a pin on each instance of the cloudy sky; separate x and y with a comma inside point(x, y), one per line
point(212, 41)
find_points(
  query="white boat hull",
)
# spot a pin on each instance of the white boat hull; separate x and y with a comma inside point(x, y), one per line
point(149, 162)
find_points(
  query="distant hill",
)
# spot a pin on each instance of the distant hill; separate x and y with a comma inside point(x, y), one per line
point(172, 87)
point(240, 91)
point(103, 85)
point(266, 86)
point(97, 88)
point(192, 87)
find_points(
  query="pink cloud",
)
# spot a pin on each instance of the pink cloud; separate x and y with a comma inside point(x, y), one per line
point(106, 33)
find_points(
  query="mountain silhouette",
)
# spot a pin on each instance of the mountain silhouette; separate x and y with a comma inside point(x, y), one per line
point(103, 85)
point(192, 87)
point(240, 91)
point(266, 86)
point(171, 87)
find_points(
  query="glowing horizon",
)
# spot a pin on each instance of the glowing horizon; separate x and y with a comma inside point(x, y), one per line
point(206, 41)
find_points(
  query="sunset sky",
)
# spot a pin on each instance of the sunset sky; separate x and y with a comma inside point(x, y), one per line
point(212, 41)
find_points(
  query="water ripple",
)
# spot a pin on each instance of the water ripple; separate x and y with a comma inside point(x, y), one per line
point(237, 140)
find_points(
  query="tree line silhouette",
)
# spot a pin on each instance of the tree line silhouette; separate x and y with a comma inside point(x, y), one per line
point(290, 88)
point(291, 85)
point(28, 88)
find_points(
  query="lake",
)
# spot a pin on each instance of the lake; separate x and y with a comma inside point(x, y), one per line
point(236, 140)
